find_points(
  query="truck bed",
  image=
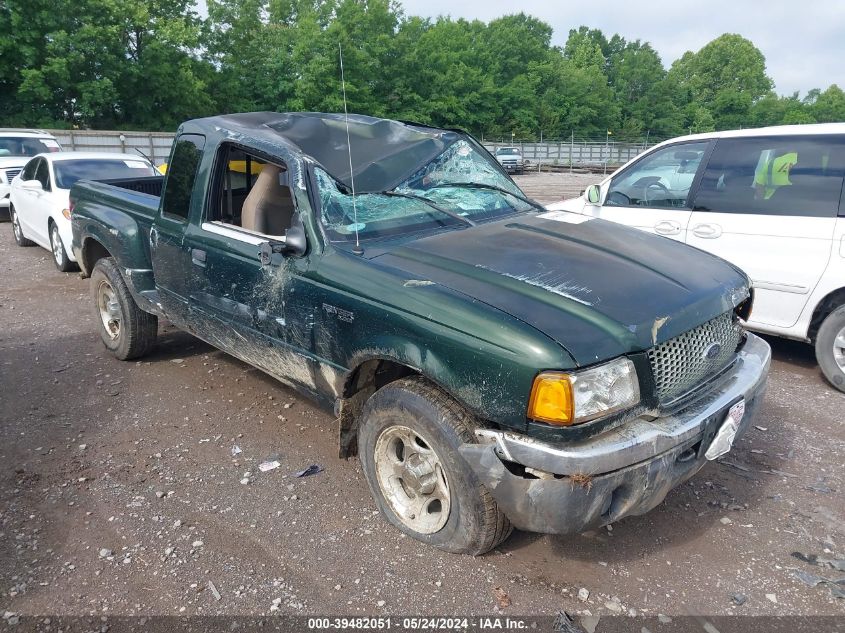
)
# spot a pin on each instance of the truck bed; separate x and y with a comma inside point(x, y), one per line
point(114, 213)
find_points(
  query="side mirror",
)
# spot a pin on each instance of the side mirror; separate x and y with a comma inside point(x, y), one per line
point(273, 252)
point(32, 185)
point(593, 194)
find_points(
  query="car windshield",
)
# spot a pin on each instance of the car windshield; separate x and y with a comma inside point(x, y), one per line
point(69, 171)
point(506, 151)
point(463, 181)
point(27, 146)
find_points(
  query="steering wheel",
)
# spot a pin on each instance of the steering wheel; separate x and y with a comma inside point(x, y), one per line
point(656, 187)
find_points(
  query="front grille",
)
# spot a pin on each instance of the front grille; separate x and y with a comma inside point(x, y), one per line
point(11, 173)
point(681, 364)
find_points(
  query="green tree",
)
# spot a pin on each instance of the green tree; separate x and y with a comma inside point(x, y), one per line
point(829, 106)
point(726, 77)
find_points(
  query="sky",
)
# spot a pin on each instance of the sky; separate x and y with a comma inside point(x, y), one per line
point(803, 40)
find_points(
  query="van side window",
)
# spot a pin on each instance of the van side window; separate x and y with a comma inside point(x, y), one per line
point(661, 179)
point(251, 193)
point(787, 175)
point(181, 175)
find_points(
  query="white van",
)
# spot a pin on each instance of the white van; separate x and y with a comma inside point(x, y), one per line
point(770, 200)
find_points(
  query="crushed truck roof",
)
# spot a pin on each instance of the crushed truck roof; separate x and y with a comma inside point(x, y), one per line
point(384, 152)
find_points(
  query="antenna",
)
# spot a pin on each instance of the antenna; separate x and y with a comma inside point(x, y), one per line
point(357, 250)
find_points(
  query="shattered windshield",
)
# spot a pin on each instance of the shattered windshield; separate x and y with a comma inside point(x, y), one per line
point(463, 180)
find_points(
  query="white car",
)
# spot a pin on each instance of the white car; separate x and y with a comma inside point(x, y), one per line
point(17, 146)
point(769, 200)
point(40, 196)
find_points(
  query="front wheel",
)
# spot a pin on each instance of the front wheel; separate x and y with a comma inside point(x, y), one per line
point(127, 331)
point(830, 348)
point(60, 257)
point(17, 230)
point(408, 443)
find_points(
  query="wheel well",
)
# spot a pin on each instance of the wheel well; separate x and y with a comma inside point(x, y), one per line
point(375, 373)
point(823, 309)
point(92, 252)
point(363, 381)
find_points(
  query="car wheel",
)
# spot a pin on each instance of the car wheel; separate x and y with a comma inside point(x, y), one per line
point(60, 257)
point(408, 444)
point(830, 348)
point(127, 331)
point(17, 230)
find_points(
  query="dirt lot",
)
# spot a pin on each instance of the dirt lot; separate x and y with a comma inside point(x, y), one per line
point(119, 494)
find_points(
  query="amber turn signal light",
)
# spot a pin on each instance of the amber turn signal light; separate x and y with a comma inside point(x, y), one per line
point(551, 399)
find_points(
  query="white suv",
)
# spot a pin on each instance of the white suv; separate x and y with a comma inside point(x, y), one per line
point(16, 148)
point(770, 200)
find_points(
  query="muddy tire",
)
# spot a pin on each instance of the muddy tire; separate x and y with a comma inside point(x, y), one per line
point(408, 445)
point(830, 348)
point(127, 331)
point(60, 258)
point(17, 231)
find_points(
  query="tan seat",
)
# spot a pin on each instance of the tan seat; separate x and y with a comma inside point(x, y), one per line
point(269, 206)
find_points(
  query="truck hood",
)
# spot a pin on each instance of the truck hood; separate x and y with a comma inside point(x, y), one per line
point(597, 288)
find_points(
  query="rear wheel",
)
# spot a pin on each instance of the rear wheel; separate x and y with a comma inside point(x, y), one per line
point(127, 331)
point(17, 230)
point(60, 257)
point(830, 348)
point(408, 443)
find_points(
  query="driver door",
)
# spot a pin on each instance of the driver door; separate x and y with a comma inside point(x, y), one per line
point(653, 194)
point(238, 299)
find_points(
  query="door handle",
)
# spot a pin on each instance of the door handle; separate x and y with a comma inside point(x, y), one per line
point(667, 227)
point(198, 257)
point(707, 231)
point(153, 237)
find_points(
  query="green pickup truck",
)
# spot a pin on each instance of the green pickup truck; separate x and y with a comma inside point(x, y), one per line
point(492, 364)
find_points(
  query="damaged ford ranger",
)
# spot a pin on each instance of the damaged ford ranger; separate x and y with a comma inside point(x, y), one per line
point(493, 364)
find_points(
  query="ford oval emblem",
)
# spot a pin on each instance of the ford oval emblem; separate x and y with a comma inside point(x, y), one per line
point(713, 350)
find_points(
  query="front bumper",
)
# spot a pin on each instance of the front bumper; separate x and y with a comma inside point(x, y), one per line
point(625, 471)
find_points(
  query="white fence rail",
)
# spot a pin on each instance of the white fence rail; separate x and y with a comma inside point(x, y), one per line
point(156, 145)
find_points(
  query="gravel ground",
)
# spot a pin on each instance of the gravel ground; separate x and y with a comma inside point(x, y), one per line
point(549, 187)
point(119, 495)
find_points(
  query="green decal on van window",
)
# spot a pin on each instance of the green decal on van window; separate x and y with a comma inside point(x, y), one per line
point(773, 171)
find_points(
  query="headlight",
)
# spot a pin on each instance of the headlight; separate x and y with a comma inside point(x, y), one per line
point(565, 399)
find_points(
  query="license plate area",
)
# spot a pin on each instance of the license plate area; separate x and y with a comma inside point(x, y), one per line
point(724, 438)
point(712, 426)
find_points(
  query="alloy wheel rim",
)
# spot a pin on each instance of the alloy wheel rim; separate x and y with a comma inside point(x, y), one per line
point(16, 227)
point(57, 244)
point(412, 479)
point(839, 349)
point(109, 309)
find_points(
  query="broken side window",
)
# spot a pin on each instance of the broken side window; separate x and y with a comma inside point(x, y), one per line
point(251, 193)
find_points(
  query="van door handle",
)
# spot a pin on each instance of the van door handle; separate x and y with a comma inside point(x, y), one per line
point(667, 227)
point(153, 237)
point(707, 231)
point(198, 257)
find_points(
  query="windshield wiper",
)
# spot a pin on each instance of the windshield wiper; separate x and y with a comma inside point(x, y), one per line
point(434, 206)
point(481, 185)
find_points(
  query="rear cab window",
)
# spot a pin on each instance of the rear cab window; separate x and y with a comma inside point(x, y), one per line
point(786, 176)
point(181, 175)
